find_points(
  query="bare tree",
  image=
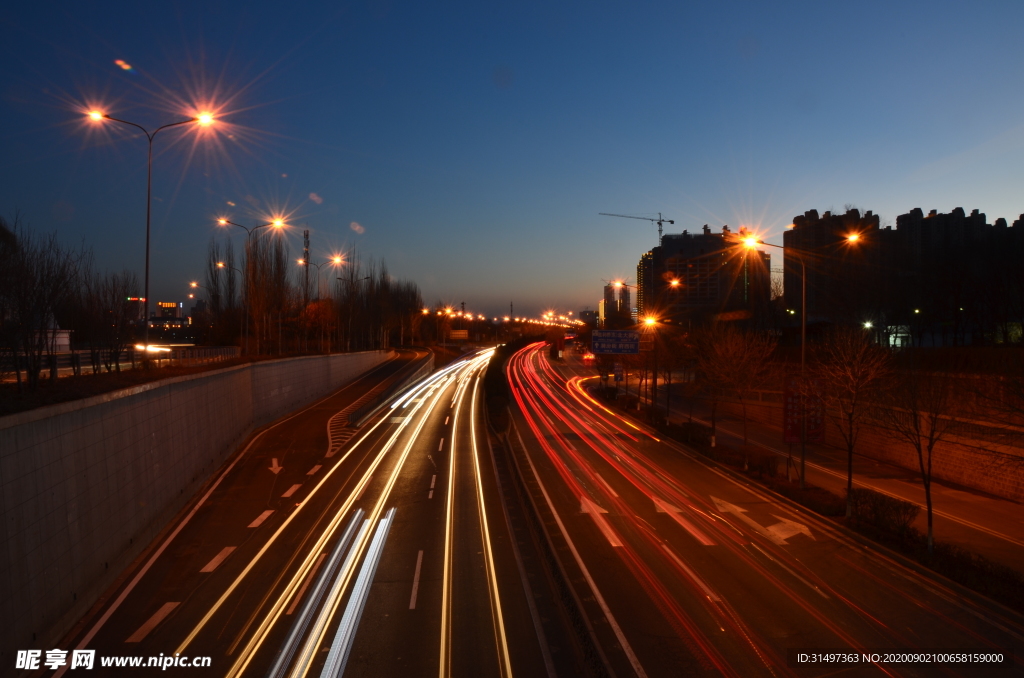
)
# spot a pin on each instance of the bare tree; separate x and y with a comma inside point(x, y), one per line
point(38, 282)
point(849, 370)
point(734, 362)
point(921, 408)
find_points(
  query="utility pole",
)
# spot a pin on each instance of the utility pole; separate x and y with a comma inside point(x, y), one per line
point(305, 259)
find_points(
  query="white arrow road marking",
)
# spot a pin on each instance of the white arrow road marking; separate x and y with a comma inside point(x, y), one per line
point(673, 513)
point(588, 506)
point(787, 528)
point(777, 533)
point(274, 468)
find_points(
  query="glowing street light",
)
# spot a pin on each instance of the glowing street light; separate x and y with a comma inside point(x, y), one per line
point(752, 242)
point(204, 119)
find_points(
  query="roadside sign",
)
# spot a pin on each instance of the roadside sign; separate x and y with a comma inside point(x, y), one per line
point(617, 368)
point(459, 334)
point(618, 342)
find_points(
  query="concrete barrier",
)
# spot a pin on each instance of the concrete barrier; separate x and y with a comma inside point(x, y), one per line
point(86, 485)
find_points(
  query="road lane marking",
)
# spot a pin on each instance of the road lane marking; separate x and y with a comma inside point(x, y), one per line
point(363, 488)
point(313, 470)
point(87, 638)
point(151, 623)
point(416, 581)
point(440, 445)
point(302, 620)
point(433, 479)
point(302, 589)
point(274, 468)
point(616, 629)
point(673, 513)
point(605, 483)
point(588, 506)
point(692, 575)
point(279, 606)
point(446, 420)
point(496, 613)
point(260, 518)
point(346, 633)
point(218, 559)
point(291, 490)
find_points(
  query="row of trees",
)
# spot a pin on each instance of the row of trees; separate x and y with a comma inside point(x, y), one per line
point(45, 285)
point(51, 293)
point(269, 305)
point(856, 382)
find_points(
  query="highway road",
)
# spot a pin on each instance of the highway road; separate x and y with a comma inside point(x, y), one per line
point(327, 550)
point(685, 569)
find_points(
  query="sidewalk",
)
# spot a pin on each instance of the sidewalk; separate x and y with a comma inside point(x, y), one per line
point(984, 524)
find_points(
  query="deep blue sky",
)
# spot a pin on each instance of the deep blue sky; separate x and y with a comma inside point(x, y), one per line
point(476, 143)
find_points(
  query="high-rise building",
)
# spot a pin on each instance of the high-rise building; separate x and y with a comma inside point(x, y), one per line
point(625, 308)
point(701, 276)
point(839, 272)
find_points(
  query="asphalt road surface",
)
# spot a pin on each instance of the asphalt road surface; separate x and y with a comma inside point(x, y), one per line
point(686, 570)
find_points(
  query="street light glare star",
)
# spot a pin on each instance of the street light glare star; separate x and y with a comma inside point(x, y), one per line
point(854, 237)
point(222, 222)
point(750, 242)
point(96, 115)
point(337, 260)
point(205, 119)
point(277, 223)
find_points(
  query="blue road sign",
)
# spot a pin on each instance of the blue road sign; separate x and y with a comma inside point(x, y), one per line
point(618, 342)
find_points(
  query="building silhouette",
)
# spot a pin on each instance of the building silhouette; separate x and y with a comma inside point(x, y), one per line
point(936, 279)
point(698, 277)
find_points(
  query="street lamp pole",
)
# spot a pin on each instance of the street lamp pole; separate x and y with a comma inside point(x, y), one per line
point(751, 242)
point(246, 277)
point(203, 119)
point(245, 314)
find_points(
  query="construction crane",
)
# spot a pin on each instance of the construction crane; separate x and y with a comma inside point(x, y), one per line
point(659, 221)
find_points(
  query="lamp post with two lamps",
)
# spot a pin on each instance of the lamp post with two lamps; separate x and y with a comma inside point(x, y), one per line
point(751, 241)
point(333, 261)
point(202, 119)
point(247, 277)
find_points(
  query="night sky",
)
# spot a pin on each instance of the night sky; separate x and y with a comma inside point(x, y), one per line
point(473, 145)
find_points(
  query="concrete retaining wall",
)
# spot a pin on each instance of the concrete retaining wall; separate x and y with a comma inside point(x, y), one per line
point(86, 485)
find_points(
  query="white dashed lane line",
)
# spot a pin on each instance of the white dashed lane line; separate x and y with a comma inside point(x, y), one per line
point(291, 490)
point(260, 518)
point(151, 623)
point(218, 559)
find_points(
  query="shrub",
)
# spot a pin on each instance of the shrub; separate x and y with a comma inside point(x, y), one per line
point(882, 511)
point(764, 464)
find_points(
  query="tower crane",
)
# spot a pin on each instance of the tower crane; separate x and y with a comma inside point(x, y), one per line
point(659, 221)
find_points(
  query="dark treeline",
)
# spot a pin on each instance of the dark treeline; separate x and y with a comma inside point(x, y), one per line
point(269, 305)
point(46, 286)
point(54, 300)
point(918, 400)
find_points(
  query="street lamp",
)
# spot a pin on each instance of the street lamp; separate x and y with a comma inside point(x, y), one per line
point(277, 223)
point(245, 312)
point(751, 242)
point(204, 120)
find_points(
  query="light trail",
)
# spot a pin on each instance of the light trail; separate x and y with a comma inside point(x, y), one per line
point(505, 661)
point(537, 400)
point(548, 402)
point(295, 582)
point(471, 375)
